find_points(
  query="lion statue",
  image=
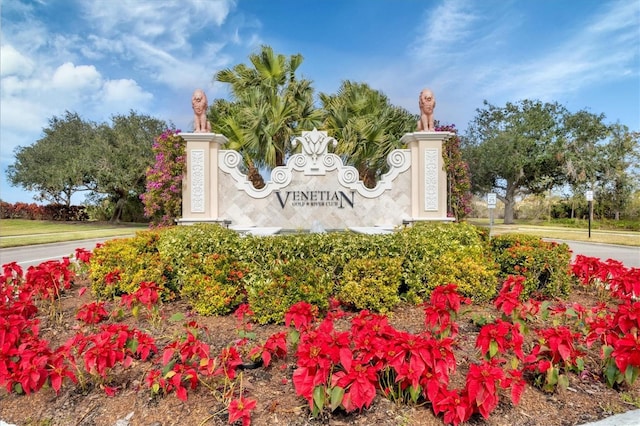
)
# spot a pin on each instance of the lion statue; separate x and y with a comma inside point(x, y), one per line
point(427, 103)
point(199, 105)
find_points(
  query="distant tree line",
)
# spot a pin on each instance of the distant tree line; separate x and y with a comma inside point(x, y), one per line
point(107, 161)
point(530, 147)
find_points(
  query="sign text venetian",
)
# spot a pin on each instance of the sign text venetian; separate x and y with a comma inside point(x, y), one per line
point(315, 198)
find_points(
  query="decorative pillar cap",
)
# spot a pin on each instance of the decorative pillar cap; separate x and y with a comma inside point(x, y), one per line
point(204, 137)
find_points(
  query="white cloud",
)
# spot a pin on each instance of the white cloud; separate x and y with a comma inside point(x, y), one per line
point(622, 16)
point(173, 22)
point(468, 54)
point(124, 92)
point(603, 49)
point(71, 78)
point(450, 22)
point(27, 103)
point(19, 116)
point(12, 62)
point(98, 48)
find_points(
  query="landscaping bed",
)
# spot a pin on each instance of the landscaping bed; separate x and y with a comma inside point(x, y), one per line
point(140, 359)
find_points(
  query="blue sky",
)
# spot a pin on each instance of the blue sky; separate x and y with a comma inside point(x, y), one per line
point(104, 57)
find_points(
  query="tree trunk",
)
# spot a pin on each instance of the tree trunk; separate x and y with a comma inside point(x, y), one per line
point(509, 201)
point(254, 176)
point(117, 211)
point(119, 207)
point(369, 179)
point(509, 208)
point(573, 207)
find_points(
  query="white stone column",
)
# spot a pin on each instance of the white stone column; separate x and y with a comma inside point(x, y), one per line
point(428, 176)
point(200, 184)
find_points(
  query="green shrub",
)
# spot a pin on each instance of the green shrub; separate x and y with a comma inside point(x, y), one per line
point(475, 277)
point(195, 262)
point(273, 289)
point(544, 264)
point(120, 265)
point(177, 244)
point(437, 254)
point(213, 284)
point(372, 284)
point(330, 251)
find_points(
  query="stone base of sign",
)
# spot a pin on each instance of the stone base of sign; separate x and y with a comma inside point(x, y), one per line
point(314, 189)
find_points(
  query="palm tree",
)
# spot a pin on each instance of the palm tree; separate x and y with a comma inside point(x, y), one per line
point(367, 127)
point(271, 106)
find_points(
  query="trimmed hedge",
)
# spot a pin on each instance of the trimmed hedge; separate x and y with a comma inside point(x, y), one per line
point(216, 269)
point(372, 284)
point(544, 264)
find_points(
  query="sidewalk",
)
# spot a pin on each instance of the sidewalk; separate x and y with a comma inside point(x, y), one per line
point(630, 418)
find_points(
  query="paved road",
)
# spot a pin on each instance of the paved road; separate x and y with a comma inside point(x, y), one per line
point(629, 256)
point(33, 255)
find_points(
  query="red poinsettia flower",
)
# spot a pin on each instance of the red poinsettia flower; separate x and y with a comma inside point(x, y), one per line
point(302, 315)
point(500, 337)
point(454, 405)
point(482, 385)
point(626, 352)
point(358, 380)
point(83, 255)
point(92, 313)
point(508, 298)
point(240, 409)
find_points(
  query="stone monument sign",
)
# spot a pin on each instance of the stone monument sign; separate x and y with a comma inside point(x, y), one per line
point(315, 187)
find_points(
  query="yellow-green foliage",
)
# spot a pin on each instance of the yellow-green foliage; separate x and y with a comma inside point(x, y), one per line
point(544, 264)
point(441, 253)
point(133, 260)
point(474, 276)
point(177, 244)
point(372, 283)
point(213, 285)
point(196, 262)
point(272, 289)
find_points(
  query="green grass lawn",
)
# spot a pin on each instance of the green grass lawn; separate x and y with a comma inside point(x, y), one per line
point(20, 232)
point(559, 232)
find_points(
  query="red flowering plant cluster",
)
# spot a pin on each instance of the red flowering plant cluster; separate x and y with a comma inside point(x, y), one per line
point(617, 328)
point(346, 369)
point(96, 355)
point(27, 362)
point(147, 296)
point(442, 309)
point(82, 262)
point(556, 351)
point(180, 363)
point(92, 313)
point(49, 280)
point(113, 345)
point(163, 197)
point(188, 362)
point(560, 348)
